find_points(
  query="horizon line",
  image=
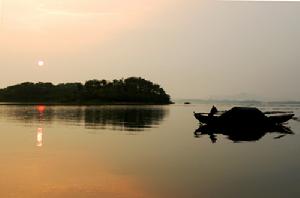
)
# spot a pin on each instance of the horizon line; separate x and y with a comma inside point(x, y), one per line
point(237, 100)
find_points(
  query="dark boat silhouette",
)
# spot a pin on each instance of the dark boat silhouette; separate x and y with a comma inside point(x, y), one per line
point(242, 116)
point(243, 124)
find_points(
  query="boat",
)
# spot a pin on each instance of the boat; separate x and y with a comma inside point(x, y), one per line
point(241, 116)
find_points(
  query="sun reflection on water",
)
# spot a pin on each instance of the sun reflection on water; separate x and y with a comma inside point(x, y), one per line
point(39, 137)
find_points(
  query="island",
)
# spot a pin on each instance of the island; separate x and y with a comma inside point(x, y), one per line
point(132, 90)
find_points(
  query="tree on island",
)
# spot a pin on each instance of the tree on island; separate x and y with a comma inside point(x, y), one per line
point(130, 90)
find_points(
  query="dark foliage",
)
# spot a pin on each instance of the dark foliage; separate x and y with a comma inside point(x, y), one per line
point(130, 90)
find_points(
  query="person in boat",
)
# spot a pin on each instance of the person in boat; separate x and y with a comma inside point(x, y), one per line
point(213, 111)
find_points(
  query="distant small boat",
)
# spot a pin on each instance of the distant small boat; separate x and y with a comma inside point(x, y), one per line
point(243, 116)
point(187, 103)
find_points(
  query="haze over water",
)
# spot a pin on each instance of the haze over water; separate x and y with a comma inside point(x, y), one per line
point(139, 151)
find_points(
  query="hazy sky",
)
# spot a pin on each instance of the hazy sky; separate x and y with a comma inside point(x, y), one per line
point(193, 48)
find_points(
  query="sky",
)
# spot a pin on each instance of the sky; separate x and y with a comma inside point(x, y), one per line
point(192, 48)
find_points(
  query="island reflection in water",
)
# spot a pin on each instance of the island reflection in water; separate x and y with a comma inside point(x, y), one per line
point(121, 118)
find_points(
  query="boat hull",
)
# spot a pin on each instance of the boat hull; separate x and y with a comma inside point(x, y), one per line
point(243, 116)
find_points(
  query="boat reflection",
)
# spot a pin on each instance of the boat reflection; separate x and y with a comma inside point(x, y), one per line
point(241, 134)
point(122, 118)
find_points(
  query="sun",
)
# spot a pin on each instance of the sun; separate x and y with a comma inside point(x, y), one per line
point(41, 63)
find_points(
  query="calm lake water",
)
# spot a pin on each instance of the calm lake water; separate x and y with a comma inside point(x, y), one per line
point(139, 151)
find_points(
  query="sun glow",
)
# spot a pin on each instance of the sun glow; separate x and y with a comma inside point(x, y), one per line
point(41, 63)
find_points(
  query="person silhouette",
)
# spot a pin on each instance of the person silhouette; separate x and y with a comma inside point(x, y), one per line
point(213, 111)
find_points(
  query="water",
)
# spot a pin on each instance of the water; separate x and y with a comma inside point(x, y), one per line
point(139, 151)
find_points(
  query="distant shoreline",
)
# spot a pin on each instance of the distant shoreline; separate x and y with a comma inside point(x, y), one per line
point(202, 101)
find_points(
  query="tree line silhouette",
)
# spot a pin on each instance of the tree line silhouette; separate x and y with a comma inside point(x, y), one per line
point(129, 90)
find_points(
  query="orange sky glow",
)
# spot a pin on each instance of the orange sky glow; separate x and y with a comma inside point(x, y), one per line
point(229, 43)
